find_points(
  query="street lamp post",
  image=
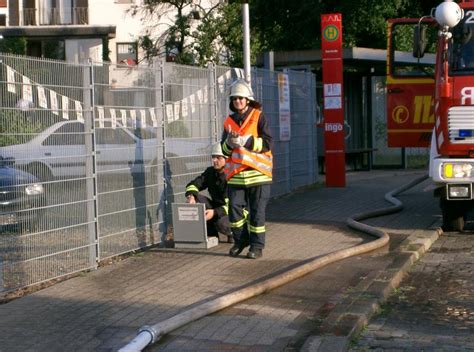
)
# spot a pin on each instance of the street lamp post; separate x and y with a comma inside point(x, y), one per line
point(246, 25)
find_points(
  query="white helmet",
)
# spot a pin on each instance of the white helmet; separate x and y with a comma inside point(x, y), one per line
point(240, 88)
point(216, 150)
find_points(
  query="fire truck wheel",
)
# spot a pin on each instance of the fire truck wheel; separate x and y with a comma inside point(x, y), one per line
point(453, 216)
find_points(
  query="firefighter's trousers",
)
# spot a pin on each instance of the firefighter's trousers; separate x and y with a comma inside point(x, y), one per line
point(248, 228)
point(216, 224)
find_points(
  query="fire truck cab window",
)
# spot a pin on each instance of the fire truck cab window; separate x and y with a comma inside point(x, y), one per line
point(404, 64)
point(461, 50)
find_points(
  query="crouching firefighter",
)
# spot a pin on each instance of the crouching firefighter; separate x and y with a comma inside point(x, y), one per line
point(217, 208)
point(246, 141)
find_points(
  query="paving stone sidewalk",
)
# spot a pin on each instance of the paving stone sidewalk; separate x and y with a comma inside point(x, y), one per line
point(433, 309)
point(102, 310)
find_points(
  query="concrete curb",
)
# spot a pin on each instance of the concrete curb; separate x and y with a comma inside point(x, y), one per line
point(353, 313)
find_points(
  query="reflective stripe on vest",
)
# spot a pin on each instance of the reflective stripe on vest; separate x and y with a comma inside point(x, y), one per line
point(242, 179)
point(232, 168)
point(258, 161)
point(241, 158)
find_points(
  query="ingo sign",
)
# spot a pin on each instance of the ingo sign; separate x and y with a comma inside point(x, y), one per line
point(333, 127)
point(333, 96)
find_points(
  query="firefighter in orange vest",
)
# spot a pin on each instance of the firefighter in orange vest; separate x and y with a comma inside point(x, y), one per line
point(246, 141)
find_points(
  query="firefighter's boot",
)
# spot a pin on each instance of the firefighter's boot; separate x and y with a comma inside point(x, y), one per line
point(255, 253)
point(236, 250)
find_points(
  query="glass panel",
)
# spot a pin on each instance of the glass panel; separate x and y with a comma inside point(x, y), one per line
point(461, 50)
point(404, 63)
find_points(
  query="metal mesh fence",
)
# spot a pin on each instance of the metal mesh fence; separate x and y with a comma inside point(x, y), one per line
point(295, 161)
point(93, 155)
point(128, 131)
point(48, 219)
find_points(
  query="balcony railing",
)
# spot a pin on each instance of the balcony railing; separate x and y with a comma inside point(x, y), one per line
point(28, 17)
point(54, 16)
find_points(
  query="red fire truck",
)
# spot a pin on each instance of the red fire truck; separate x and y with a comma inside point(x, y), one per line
point(430, 100)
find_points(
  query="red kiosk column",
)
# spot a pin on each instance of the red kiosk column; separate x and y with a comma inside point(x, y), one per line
point(334, 154)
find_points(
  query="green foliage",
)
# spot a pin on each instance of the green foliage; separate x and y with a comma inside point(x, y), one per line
point(175, 43)
point(219, 38)
point(176, 129)
point(54, 49)
point(176, 39)
point(202, 35)
point(198, 35)
point(403, 37)
point(17, 127)
point(149, 47)
point(105, 50)
point(295, 25)
point(13, 46)
point(232, 35)
point(286, 25)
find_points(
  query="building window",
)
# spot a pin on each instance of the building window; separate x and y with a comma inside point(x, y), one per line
point(50, 49)
point(3, 20)
point(127, 53)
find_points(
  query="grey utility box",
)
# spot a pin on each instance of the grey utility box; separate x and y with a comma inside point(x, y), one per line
point(189, 226)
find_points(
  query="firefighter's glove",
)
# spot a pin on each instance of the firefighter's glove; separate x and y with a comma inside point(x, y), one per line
point(234, 140)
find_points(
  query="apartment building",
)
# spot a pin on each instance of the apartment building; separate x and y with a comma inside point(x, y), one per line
point(73, 30)
point(76, 30)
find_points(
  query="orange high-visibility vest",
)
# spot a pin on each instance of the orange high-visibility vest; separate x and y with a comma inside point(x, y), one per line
point(241, 158)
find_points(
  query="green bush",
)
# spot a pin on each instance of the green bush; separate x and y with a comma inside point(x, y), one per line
point(13, 46)
point(176, 129)
point(17, 127)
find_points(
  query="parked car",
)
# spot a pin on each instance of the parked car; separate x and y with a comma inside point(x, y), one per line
point(60, 151)
point(22, 198)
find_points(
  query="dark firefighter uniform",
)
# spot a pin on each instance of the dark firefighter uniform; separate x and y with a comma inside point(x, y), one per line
point(249, 175)
point(216, 185)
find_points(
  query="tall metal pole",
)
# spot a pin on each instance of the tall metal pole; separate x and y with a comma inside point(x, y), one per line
point(246, 25)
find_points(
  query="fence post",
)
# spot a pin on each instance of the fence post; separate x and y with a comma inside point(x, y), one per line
point(158, 174)
point(314, 129)
point(91, 165)
point(1, 275)
point(214, 123)
point(312, 152)
point(166, 168)
point(292, 141)
point(257, 91)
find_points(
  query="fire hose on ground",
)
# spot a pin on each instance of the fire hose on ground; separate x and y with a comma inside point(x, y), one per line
point(150, 334)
